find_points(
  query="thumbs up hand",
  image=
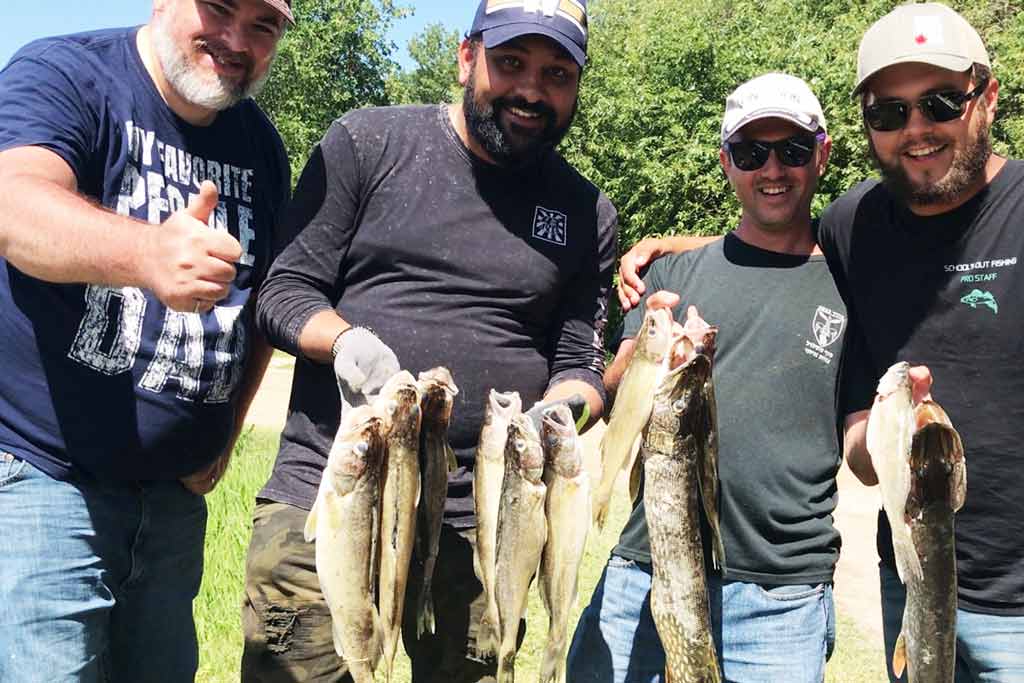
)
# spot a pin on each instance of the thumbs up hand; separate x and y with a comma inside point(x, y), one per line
point(189, 265)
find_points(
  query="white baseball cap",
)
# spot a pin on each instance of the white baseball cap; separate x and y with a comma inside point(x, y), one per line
point(772, 95)
point(927, 33)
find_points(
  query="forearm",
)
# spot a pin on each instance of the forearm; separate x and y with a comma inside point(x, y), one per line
point(569, 387)
point(49, 231)
point(613, 375)
point(318, 335)
point(855, 449)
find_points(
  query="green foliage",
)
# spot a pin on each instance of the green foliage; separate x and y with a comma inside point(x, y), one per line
point(435, 77)
point(336, 58)
point(654, 91)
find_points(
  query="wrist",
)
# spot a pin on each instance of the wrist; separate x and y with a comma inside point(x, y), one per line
point(336, 344)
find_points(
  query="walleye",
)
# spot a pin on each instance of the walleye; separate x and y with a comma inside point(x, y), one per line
point(927, 644)
point(345, 523)
point(890, 432)
point(567, 510)
point(680, 461)
point(521, 535)
point(633, 402)
point(438, 392)
point(488, 473)
point(399, 407)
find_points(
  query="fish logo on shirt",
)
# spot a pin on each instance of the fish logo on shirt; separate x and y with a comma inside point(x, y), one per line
point(979, 298)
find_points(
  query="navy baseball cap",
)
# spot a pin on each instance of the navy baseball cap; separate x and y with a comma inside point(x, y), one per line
point(563, 21)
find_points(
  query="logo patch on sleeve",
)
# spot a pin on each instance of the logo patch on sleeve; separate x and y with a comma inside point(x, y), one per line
point(550, 225)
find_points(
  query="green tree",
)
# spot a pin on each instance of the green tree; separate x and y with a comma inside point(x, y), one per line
point(435, 76)
point(336, 58)
point(654, 91)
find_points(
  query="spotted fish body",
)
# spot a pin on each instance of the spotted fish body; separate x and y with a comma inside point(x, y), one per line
point(345, 524)
point(399, 407)
point(567, 510)
point(927, 643)
point(488, 473)
point(890, 432)
point(438, 392)
point(522, 532)
point(680, 467)
point(633, 402)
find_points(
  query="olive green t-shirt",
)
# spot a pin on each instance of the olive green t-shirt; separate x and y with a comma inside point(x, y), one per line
point(781, 323)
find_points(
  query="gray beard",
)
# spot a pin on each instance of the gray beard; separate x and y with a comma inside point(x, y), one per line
point(208, 91)
point(967, 167)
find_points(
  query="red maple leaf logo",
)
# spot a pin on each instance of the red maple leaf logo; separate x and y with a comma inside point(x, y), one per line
point(921, 39)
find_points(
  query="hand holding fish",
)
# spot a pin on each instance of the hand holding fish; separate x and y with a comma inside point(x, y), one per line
point(362, 364)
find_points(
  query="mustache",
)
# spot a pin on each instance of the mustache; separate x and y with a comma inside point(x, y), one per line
point(928, 139)
point(223, 52)
point(541, 108)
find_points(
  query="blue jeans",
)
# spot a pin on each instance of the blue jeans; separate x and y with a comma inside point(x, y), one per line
point(97, 579)
point(989, 648)
point(761, 633)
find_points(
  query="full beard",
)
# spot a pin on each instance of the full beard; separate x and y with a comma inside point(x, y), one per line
point(194, 84)
point(483, 120)
point(967, 168)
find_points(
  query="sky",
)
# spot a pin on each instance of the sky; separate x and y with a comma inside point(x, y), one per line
point(26, 21)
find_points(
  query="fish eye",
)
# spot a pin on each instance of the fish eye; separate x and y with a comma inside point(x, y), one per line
point(361, 448)
point(392, 406)
point(651, 332)
point(679, 405)
point(520, 445)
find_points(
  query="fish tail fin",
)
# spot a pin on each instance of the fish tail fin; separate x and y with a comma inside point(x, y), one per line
point(899, 655)
point(425, 613)
point(553, 664)
point(507, 666)
point(600, 511)
point(908, 564)
point(486, 643)
point(453, 464)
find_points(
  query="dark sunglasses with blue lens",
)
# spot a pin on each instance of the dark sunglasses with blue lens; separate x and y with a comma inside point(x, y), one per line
point(794, 151)
point(943, 106)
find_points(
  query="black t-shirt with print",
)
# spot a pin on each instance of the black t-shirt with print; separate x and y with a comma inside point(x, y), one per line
point(947, 291)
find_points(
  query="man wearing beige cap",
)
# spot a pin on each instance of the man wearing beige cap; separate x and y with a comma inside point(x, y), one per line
point(781, 324)
point(927, 261)
point(141, 188)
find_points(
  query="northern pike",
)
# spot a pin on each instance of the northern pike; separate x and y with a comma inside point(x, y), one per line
point(399, 407)
point(522, 531)
point(438, 392)
point(680, 464)
point(890, 433)
point(488, 473)
point(927, 644)
point(344, 521)
point(567, 510)
point(633, 402)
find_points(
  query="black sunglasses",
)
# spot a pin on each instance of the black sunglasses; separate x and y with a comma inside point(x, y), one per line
point(795, 151)
point(940, 107)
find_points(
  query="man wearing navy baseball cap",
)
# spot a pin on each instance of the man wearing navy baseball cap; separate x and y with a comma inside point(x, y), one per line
point(494, 256)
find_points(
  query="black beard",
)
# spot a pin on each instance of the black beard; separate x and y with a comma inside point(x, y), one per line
point(483, 122)
point(967, 167)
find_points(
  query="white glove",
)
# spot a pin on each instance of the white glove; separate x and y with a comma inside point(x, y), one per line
point(362, 364)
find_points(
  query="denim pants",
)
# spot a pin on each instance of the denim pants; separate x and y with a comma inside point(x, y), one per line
point(97, 579)
point(989, 647)
point(761, 633)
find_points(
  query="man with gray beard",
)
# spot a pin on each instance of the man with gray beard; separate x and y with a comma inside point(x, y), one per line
point(141, 190)
point(463, 239)
point(927, 261)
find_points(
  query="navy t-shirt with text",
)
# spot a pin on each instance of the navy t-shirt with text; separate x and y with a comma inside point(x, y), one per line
point(106, 380)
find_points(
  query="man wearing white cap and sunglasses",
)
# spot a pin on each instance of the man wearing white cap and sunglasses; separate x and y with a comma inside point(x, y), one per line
point(781, 324)
point(927, 260)
point(141, 191)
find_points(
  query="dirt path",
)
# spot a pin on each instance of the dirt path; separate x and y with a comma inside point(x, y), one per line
point(856, 588)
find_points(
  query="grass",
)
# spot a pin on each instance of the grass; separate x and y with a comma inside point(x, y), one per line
point(217, 610)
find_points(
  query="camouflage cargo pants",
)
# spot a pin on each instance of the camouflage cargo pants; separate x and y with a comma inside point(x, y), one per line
point(288, 627)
